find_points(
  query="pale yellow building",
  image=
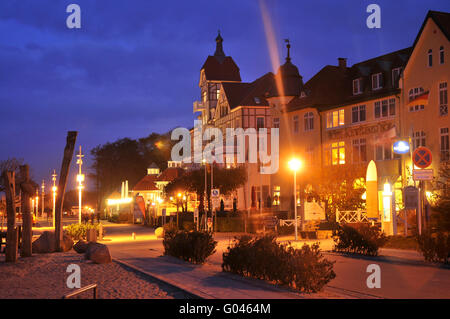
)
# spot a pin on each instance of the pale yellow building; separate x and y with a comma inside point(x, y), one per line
point(425, 115)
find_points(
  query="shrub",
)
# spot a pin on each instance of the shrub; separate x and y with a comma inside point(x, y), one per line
point(435, 247)
point(263, 258)
point(170, 228)
point(78, 231)
point(285, 230)
point(230, 224)
point(188, 225)
point(364, 240)
point(192, 246)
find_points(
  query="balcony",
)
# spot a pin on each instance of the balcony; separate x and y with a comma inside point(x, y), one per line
point(199, 106)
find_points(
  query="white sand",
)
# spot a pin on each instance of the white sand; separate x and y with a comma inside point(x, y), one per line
point(45, 276)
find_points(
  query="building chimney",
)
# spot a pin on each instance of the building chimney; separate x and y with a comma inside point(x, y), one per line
point(342, 63)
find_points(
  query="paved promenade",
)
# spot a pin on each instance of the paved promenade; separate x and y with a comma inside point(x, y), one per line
point(400, 271)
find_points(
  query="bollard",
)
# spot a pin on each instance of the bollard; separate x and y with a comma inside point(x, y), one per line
point(91, 235)
point(100, 231)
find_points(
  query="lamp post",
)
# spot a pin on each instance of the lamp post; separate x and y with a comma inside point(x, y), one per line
point(294, 165)
point(43, 196)
point(206, 182)
point(178, 205)
point(54, 189)
point(37, 202)
point(80, 180)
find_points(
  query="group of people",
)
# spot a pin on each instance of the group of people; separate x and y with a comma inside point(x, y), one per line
point(85, 218)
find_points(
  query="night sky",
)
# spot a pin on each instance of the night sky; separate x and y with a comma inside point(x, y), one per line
point(133, 67)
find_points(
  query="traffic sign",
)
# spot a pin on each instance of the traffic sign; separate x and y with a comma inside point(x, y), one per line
point(423, 174)
point(422, 157)
point(215, 192)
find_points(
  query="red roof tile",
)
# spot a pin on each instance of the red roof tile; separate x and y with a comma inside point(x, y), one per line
point(169, 174)
point(146, 184)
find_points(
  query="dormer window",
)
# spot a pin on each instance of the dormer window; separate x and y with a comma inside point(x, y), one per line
point(377, 81)
point(257, 100)
point(430, 58)
point(357, 86)
point(396, 76)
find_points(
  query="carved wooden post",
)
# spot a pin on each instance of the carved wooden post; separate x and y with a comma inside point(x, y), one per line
point(65, 166)
point(27, 219)
point(11, 231)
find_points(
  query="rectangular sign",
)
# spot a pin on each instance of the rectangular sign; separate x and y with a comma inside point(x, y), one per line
point(422, 174)
point(411, 197)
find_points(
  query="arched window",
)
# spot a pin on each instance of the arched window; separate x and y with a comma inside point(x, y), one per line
point(309, 121)
point(441, 55)
point(430, 58)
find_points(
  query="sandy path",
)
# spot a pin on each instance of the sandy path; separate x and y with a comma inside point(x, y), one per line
point(44, 276)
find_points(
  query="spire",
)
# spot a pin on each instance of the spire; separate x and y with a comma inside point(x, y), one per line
point(219, 48)
point(288, 46)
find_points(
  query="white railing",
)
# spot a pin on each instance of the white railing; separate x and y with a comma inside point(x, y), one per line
point(289, 222)
point(351, 216)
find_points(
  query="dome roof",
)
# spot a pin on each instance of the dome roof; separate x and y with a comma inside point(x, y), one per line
point(290, 78)
point(288, 70)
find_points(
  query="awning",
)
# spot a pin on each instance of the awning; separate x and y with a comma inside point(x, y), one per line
point(421, 99)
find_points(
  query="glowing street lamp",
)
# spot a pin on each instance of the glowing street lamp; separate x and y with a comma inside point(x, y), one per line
point(294, 165)
point(54, 189)
point(43, 197)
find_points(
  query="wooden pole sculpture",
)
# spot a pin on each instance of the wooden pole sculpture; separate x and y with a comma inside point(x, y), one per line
point(27, 218)
point(11, 231)
point(65, 166)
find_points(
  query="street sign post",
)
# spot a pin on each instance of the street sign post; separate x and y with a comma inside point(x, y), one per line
point(422, 157)
point(215, 198)
point(411, 197)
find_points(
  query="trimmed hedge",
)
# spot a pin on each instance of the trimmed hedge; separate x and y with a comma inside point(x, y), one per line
point(363, 239)
point(192, 246)
point(435, 247)
point(78, 231)
point(263, 258)
point(230, 224)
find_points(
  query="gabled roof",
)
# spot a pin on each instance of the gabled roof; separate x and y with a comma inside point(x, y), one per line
point(249, 94)
point(147, 183)
point(327, 87)
point(442, 20)
point(221, 69)
point(169, 174)
point(333, 85)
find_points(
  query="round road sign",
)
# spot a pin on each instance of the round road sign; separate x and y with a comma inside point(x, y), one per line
point(422, 157)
